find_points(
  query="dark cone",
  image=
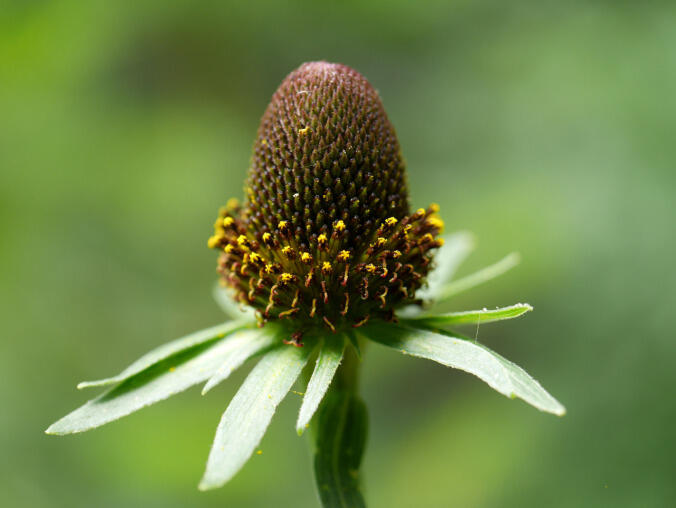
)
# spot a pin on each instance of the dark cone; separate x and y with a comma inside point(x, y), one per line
point(325, 236)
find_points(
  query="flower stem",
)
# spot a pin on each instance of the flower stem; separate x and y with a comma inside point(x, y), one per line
point(339, 435)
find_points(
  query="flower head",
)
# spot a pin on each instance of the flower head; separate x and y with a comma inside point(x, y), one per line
point(324, 241)
point(326, 212)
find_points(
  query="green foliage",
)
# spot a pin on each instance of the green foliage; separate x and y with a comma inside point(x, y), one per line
point(330, 355)
point(472, 316)
point(340, 441)
point(166, 351)
point(470, 356)
point(250, 411)
point(153, 384)
point(484, 275)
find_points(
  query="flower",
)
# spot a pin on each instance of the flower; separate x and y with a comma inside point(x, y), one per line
point(322, 257)
point(327, 187)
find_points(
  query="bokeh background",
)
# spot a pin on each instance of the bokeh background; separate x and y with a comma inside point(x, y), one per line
point(543, 127)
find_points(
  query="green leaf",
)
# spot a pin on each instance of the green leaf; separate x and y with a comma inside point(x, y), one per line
point(232, 309)
point(340, 440)
point(483, 275)
point(250, 411)
point(244, 346)
point(153, 384)
point(471, 316)
point(165, 351)
point(328, 360)
point(456, 248)
point(499, 373)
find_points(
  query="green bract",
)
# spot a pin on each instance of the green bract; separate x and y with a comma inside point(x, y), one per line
point(323, 257)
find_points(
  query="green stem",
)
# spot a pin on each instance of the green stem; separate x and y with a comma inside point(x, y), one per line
point(339, 434)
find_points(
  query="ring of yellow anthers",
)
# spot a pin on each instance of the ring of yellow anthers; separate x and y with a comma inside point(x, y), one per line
point(326, 283)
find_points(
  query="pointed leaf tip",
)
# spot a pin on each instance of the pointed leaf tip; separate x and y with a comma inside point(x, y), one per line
point(249, 413)
point(329, 358)
point(453, 351)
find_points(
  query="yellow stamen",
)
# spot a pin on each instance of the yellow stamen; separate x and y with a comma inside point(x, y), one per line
point(266, 237)
point(322, 239)
point(282, 225)
point(228, 221)
point(287, 251)
point(326, 267)
point(436, 222)
point(213, 241)
point(285, 278)
point(343, 255)
point(339, 226)
point(396, 254)
point(370, 268)
point(228, 248)
point(434, 208)
point(391, 221)
point(306, 257)
point(242, 240)
point(421, 212)
point(303, 131)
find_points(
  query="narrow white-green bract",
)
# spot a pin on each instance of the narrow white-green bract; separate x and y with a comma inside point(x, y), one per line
point(471, 316)
point(246, 343)
point(250, 411)
point(158, 382)
point(330, 355)
point(484, 275)
point(165, 351)
point(234, 310)
point(499, 373)
point(457, 246)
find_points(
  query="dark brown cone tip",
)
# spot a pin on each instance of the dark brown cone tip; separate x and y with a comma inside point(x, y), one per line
point(324, 236)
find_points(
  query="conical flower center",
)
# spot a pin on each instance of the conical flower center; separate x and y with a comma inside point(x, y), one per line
point(324, 236)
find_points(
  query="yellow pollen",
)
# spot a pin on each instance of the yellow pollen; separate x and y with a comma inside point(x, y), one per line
point(266, 237)
point(282, 225)
point(228, 248)
point(436, 222)
point(420, 211)
point(326, 267)
point(396, 254)
point(343, 255)
point(213, 241)
point(339, 226)
point(255, 258)
point(322, 238)
point(286, 277)
point(370, 268)
point(242, 240)
point(287, 251)
point(305, 257)
point(228, 221)
point(391, 221)
point(268, 268)
point(381, 241)
point(303, 131)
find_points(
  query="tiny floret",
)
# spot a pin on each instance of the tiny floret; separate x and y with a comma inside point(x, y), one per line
point(339, 226)
point(344, 255)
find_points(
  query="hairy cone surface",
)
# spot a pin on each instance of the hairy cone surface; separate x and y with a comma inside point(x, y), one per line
point(324, 237)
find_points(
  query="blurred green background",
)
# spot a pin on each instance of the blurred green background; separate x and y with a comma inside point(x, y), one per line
point(544, 127)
